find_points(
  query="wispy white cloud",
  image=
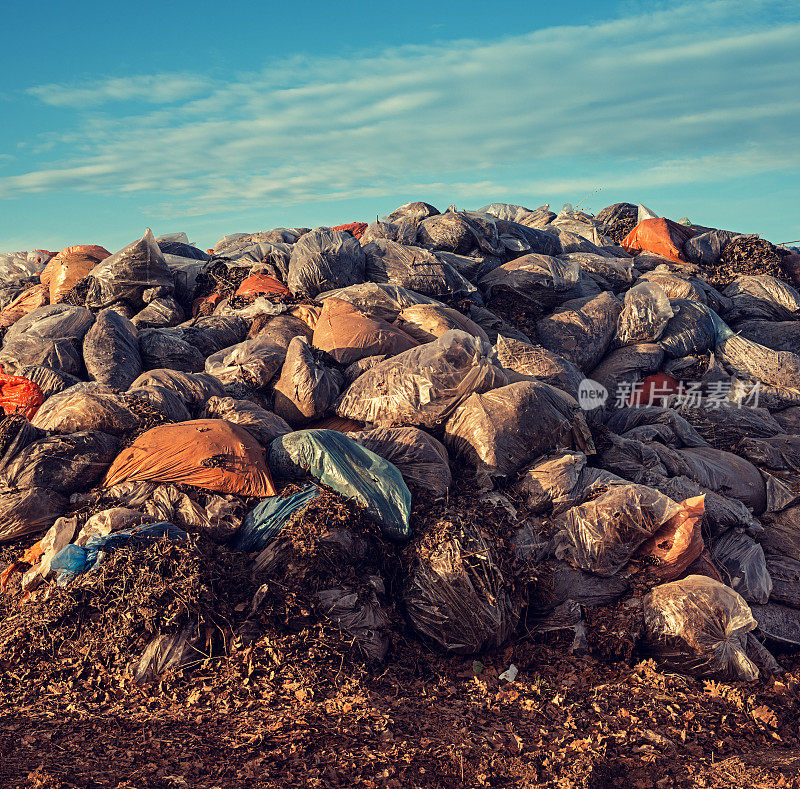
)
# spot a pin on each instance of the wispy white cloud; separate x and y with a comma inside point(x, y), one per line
point(680, 95)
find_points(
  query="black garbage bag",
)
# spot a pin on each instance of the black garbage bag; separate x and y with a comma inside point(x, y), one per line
point(785, 574)
point(323, 260)
point(778, 623)
point(137, 275)
point(681, 432)
point(761, 297)
point(49, 336)
point(16, 433)
point(537, 362)
point(705, 249)
point(644, 316)
point(29, 511)
point(193, 388)
point(557, 582)
point(111, 350)
point(741, 561)
point(404, 231)
point(212, 333)
point(781, 534)
point(777, 335)
point(750, 361)
point(86, 406)
point(499, 432)
point(159, 313)
point(461, 593)
point(624, 367)
point(726, 424)
point(602, 535)
point(583, 334)
point(699, 626)
point(163, 400)
point(519, 239)
point(494, 325)
point(179, 249)
point(415, 269)
point(163, 348)
point(50, 381)
point(693, 329)
point(307, 387)
point(777, 453)
point(64, 463)
point(263, 425)
point(418, 456)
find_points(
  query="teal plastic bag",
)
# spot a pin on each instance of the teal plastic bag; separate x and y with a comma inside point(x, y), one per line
point(265, 521)
point(351, 470)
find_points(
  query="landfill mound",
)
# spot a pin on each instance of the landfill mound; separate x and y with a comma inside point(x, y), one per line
point(491, 497)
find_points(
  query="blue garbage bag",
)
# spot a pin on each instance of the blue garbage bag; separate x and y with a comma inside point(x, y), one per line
point(74, 560)
point(351, 470)
point(265, 520)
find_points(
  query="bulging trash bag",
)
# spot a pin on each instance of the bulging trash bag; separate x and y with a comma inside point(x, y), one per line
point(674, 285)
point(624, 367)
point(456, 231)
point(252, 362)
point(212, 333)
point(64, 463)
point(533, 278)
point(785, 574)
point(659, 236)
point(111, 350)
point(163, 400)
point(726, 424)
point(404, 231)
point(583, 334)
point(781, 533)
point(741, 561)
point(537, 362)
point(419, 457)
point(263, 425)
point(193, 388)
point(279, 329)
point(699, 626)
point(323, 260)
point(427, 322)
point(415, 269)
point(705, 249)
point(614, 274)
point(69, 266)
point(163, 348)
point(645, 314)
point(461, 593)
point(753, 362)
point(86, 406)
point(601, 535)
point(349, 335)
point(777, 335)
point(416, 210)
point(522, 238)
point(494, 325)
point(206, 453)
point(500, 431)
point(422, 386)
point(354, 370)
point(761, 297)
point(778, 623)
point(473, 268)
point(159, 313)
point(29, 511)
point(351, 470)
point(693, 329)
point(306, 388)
point(136, 275)
point(680, 432)
point(557, 582)
point(778, 453)
point(379, 300)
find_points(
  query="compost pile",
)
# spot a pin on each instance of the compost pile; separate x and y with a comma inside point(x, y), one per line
point(502, 461)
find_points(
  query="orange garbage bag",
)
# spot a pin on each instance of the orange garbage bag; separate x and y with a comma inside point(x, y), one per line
point(356, 229)
point(26, 302)
point(258, 284)
point(659, 236)
point(206, 453)
point(349, 335)
point(678, 543)
point(70, 266)
point(18, 395)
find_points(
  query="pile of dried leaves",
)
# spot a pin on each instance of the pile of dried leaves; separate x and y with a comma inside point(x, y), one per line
point(746, 255)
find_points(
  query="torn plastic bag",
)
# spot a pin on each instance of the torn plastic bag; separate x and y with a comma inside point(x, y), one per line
point(660, 236)
point(72, 560)
point(164, 348)
point(460, 593)
point(705, 249)
point(778, 623)
point(86, 406)
point(348, 334)
point(676, 544)
point(777, 335)
point(263, 425)
point(64, 463)
point(693, 329)
point(29, 511)
point(761, 297)
point(681, 432)
point(699, 626)
point(159, 313)
point(583, 334)
point(19, 395)
point(740, 560)
point(206, 453)
point(265, 520)
point(419, 457)
point(415, 269)
point(136, 274)
point(499, 432)
point(753, 362)
point(539, 363)
point(109, 521)
point(536, 279)
point(624, 367)
point(111, 350)
point(252, 362)
point(379, 300)
point(323, 260)
point(69, 266)
point(601, 535)
point(193, 388)
point(726, 424)
point(614, 274)
point(351, 470)
point(163, 400)
point(785, 574)
point(422, 386)
point(645, 314)
point(306, 388)
point(427, 322)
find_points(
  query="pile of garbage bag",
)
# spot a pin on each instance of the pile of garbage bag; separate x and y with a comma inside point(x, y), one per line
point(471, 424)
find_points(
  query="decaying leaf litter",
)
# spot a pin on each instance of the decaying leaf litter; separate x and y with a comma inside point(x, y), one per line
point(374, 633)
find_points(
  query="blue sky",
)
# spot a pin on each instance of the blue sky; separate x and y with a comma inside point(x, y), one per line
point(224, 117)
